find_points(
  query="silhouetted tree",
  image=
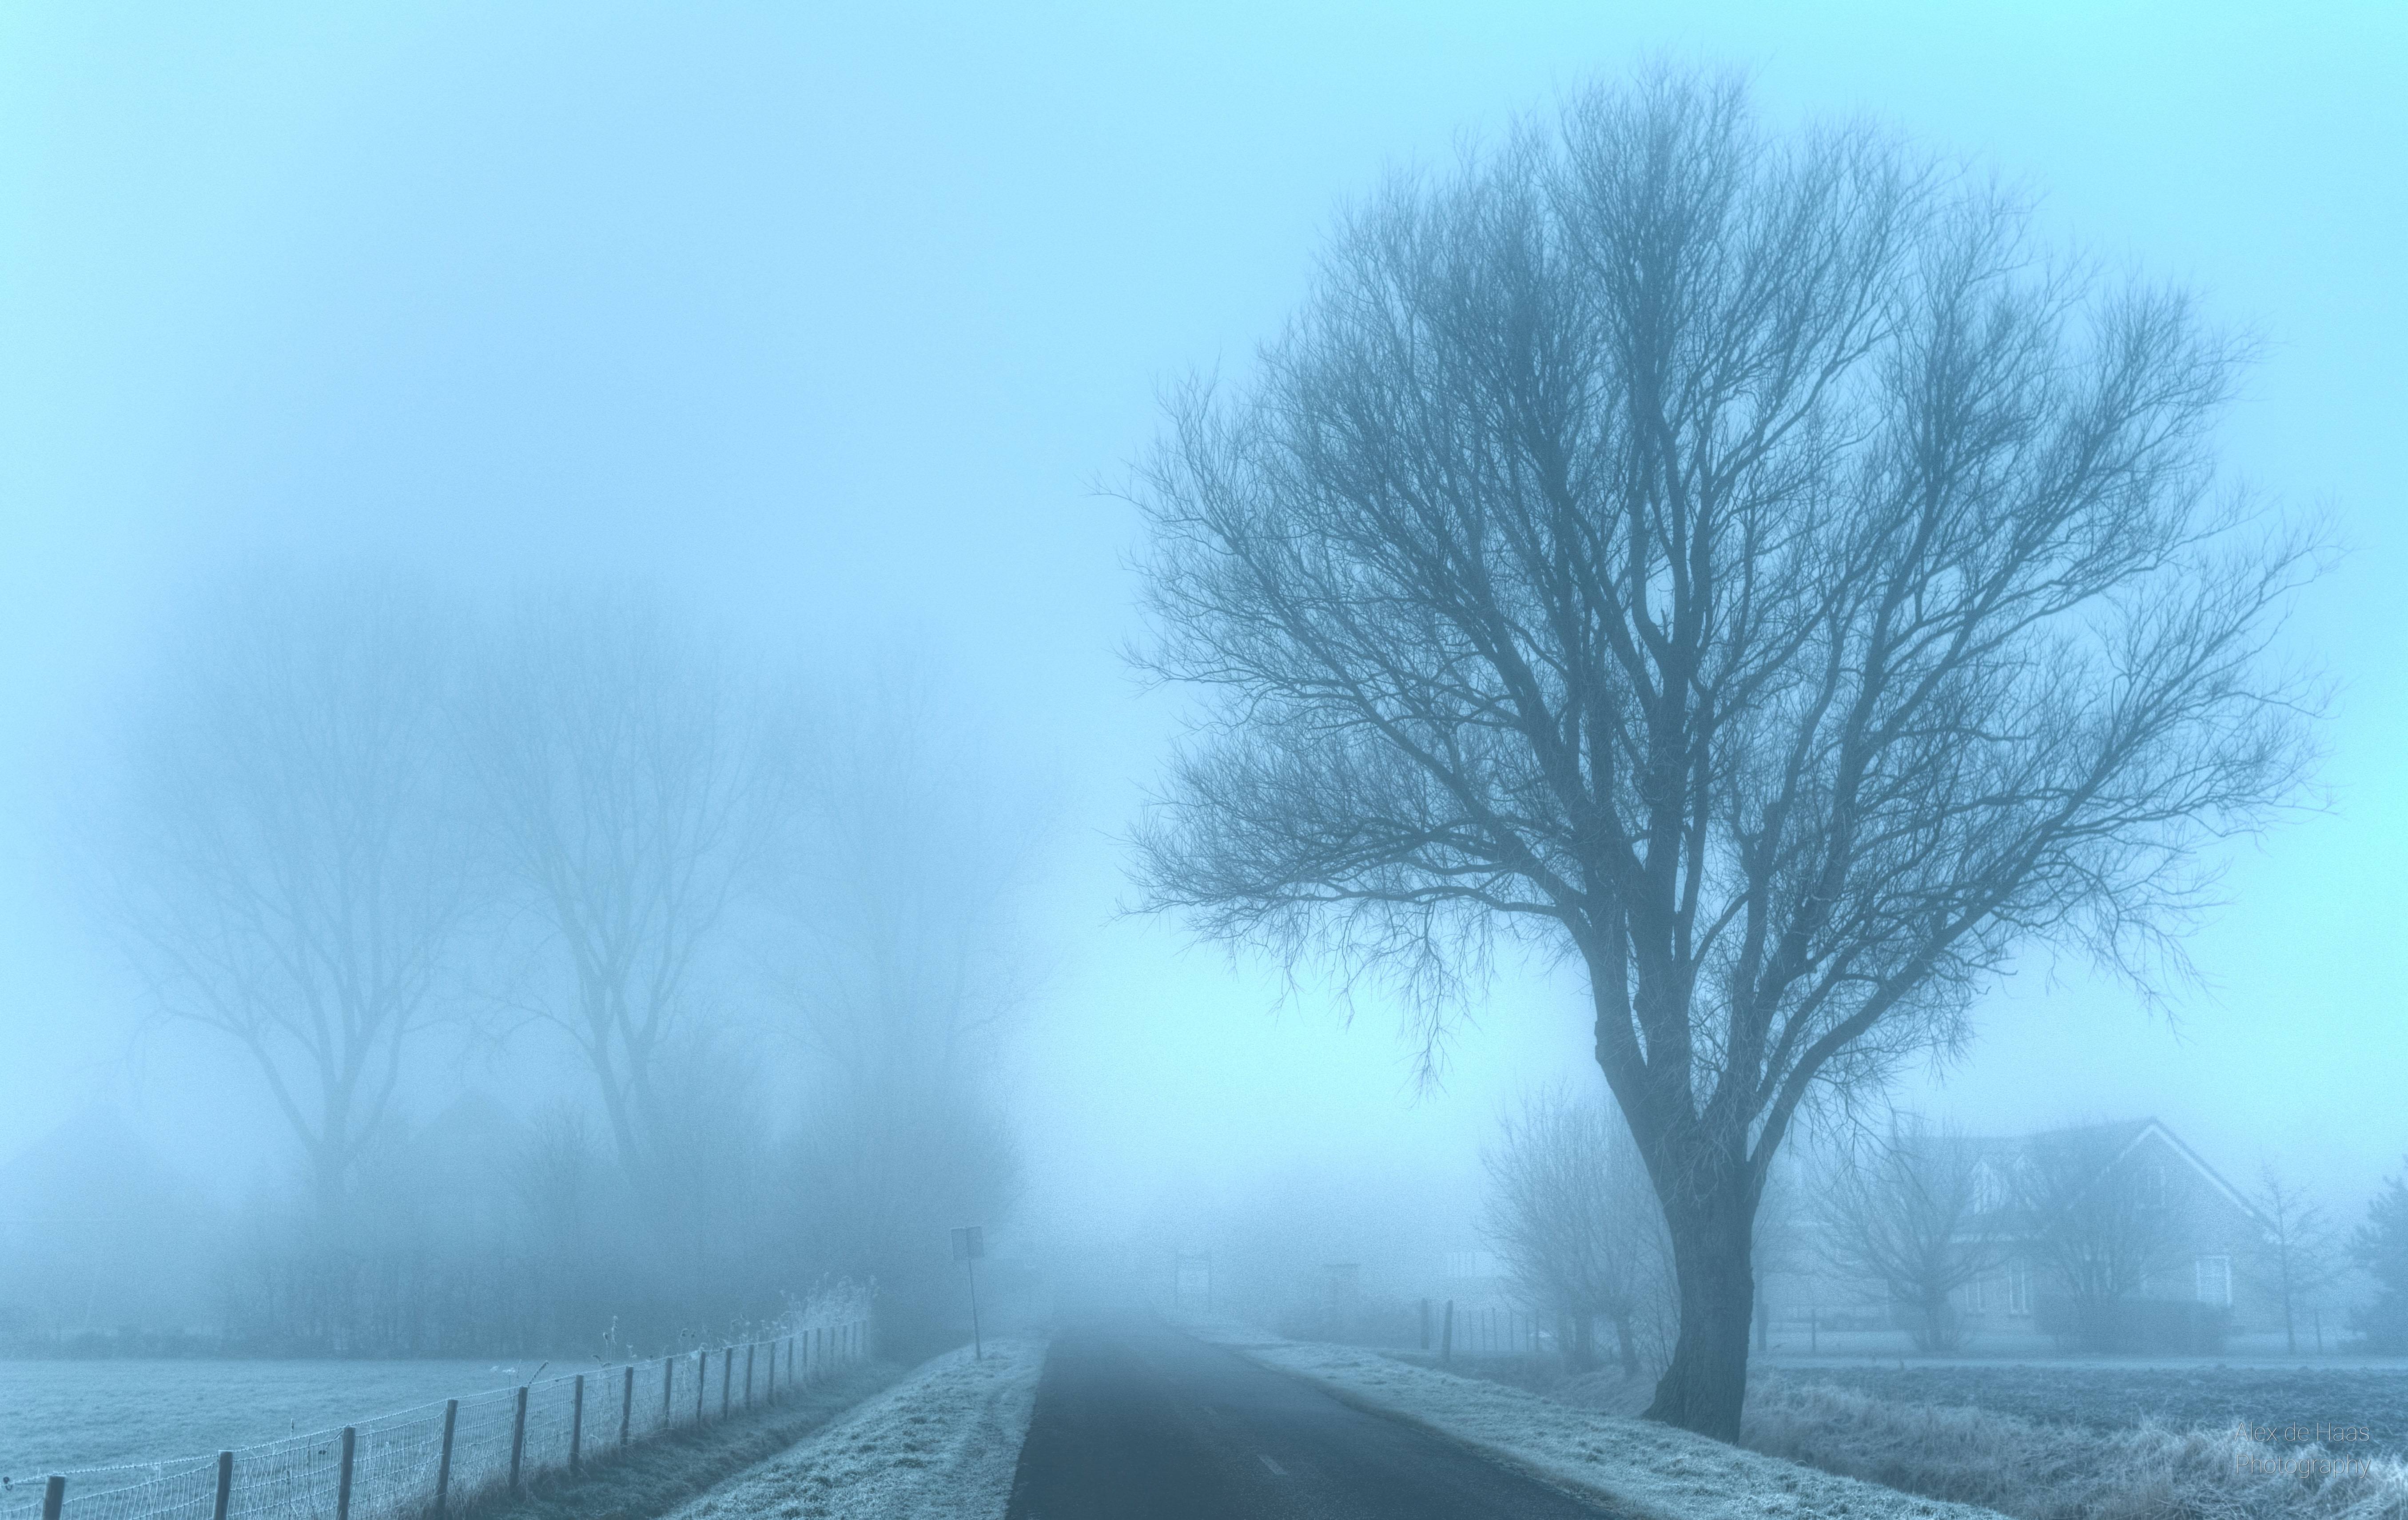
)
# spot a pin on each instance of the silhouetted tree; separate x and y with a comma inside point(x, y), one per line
point(1907, 1210)
point(1743, 564)
point(634, 787)
point(2381, 1246)
point(290, 864)
point(2098, 1230)
point(1572, 1215)
point(2300, 1255)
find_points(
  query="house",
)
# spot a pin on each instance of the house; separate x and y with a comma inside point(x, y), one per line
point(2114, 1237)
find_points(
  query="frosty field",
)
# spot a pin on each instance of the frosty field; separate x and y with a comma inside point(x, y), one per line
point(2110, 1398)
point(56, 1416)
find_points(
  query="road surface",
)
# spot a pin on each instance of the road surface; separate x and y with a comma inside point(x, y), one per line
point(1136, 1422)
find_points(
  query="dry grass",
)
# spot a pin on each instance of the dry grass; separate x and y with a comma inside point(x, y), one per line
point(654, 1477)
point(2036, 1472)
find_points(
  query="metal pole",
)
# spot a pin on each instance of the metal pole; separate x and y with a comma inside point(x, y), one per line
point(518, 1437)
point(343, 1480)
point(225, 1484)
point(577, 1426)
point(443, 1470)
point(977, 1346)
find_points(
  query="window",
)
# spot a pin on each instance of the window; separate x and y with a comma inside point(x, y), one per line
point(2214, 1280)
point(1989, 1193)
point(2150, 1188)
point(1977, 1297)
point(2018, 1288)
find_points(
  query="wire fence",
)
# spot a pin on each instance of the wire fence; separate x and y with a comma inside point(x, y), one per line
point(419, 1464)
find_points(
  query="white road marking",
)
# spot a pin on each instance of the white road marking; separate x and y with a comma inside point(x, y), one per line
point(1277, 1471)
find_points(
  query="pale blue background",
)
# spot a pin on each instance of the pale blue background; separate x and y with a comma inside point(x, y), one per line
point(829, 319)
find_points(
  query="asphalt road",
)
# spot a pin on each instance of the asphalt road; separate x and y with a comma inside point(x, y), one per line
point(1136, 1422)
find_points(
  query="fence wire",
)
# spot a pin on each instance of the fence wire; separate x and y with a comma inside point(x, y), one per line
point(394, 1466)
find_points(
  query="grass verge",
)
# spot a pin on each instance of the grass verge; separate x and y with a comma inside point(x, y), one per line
point(2042, 1472)
point(651, 1478)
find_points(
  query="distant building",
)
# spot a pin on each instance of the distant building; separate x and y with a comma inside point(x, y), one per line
point(2107, 1237)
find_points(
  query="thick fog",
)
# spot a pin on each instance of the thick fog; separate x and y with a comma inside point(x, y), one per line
point(710, 428)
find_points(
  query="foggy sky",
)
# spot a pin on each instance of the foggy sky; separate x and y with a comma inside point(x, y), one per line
point(831, 322)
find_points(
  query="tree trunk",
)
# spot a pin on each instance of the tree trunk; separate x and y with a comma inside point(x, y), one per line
point(1629, 1344)
point(1583, 1341)
point(1711, 1243)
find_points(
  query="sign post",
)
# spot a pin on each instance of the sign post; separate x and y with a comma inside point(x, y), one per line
point(970, 1244)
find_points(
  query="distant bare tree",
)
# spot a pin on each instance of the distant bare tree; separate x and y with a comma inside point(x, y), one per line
point(2098, 1230)
point(1745, 564)
point(2380, 1245)
point(902, 967)
point(291, 867)
point(1572, 1215)
point(2300, 1253)
point(635, 786)
point(1907, 1210)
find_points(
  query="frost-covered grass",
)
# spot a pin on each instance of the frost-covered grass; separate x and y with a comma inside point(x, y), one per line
point(60, 1414)
point(940, 1445)
point(2037, 1470)
point(655, 1477)
point(1645, 1470)
point(2117, 1396)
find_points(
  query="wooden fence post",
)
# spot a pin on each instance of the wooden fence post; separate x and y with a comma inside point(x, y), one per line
point(668, 1388)
point(518, 1437)
point(748, 1373)
point(701, 1382)
point(627, 1406)
point(1446, 1335)
point(225, 1484)
point(343, 1479)
point(727, 1378)
point(577, 1426)
point(443, 1470)
point(54, 1495)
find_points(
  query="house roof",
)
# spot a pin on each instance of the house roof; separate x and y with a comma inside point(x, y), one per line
point(2118, 1140)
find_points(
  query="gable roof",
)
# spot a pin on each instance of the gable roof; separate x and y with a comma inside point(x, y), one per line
point(2117, 1141)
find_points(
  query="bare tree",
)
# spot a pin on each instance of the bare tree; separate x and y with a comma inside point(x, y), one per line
point(292, 868)
point(1573, 1215)
point(1908, 1210)
point(1741, 563)
point(635, 785)
point(2300, 1253)
point(2098, 1230)
point(900, 969)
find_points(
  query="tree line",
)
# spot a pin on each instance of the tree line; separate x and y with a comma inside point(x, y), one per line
point(1905, 1220)
point(747, 940)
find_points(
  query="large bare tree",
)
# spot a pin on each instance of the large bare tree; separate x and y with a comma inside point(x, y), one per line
point(1740, 562)
point(635, 786)
point(293, 868)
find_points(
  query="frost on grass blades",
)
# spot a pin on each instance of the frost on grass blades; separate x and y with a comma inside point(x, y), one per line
point(440, 1456)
